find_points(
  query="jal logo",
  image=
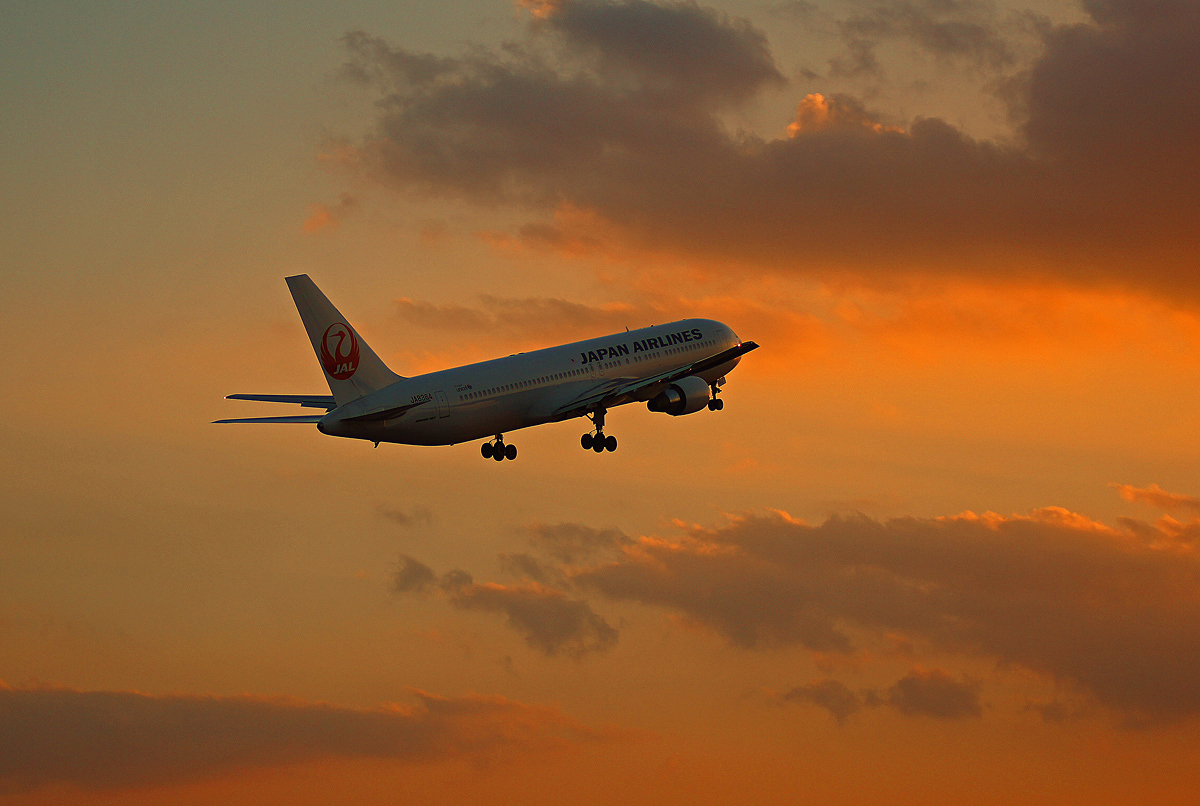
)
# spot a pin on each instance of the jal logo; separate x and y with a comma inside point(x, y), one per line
point(339, 351)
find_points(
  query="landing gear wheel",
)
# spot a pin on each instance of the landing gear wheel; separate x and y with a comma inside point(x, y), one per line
point(598, 445)
point(486, 450)
point(586, 442)
point(720, 404)
point(716, 404)
point(498, 453)
point(610, 443)
point(510, 452)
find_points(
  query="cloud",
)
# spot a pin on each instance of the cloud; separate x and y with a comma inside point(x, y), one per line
point(833, 696)
point(112, 740)
point(681, 50)
point(549, 620)
point(323, 217)
point(1113, 611)
point(319, 218)
point(947, 29)
point(1096, 188)
point(935, 693)
point(571, 542)
point(932, 692)
point(412, 576)
point(529, 567)
point(1158, 497)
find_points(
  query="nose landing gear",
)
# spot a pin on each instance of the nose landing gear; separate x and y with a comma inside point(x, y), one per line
point(496, 449)
point(597, 441)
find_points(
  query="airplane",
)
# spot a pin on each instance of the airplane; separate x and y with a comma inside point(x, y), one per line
point(675, 369)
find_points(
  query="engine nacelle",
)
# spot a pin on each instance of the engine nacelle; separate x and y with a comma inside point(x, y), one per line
point(685, 396)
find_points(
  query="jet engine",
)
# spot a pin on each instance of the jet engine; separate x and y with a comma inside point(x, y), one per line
point(685, 396)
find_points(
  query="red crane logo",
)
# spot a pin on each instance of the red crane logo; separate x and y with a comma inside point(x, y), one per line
point(339, 363)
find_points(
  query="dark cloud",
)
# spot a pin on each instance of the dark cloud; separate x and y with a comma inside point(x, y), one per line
point(455, 580)
point(947, 29)
point(932, 692)
point(935, 693)
point(1100, 188)
point(107, 740)
point(550, 621)
point(1115, 612)
point(833, 696)
point(676, 49)
point(529, 567)
point(411, 576)
point(572, 542)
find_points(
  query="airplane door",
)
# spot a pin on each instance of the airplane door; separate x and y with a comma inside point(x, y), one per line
point(443, 405)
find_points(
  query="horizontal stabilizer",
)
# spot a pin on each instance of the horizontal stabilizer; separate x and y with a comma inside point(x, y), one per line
point(308, 401)
point(303, 418)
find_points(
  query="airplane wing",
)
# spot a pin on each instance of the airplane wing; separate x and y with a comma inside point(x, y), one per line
point(618, 391)
point(308, 401)
point(304, 418)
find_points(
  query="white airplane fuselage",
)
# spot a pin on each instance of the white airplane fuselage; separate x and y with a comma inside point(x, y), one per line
point(527, 389)
point(675, 369)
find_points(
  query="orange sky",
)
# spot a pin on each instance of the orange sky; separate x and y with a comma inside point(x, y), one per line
point(939, 547)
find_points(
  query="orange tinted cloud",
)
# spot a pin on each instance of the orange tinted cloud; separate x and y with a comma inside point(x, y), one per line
point(1091, 192)
point(1053, 592)
point(107, 740)
point(319, 218)
point(322, 217)
point(817, 113)
point(1158, 497)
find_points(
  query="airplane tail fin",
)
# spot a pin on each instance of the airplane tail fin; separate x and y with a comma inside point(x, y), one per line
point(351, 367)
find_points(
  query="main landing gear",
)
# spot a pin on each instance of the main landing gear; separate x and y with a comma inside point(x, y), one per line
point(496, 449)
point(716, 404)
point(597, 441)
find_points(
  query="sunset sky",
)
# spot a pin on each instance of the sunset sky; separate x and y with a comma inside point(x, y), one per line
point(941, 546)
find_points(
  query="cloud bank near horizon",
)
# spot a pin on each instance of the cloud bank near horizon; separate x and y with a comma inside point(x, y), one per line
point(1111, 611)
point(114, 740)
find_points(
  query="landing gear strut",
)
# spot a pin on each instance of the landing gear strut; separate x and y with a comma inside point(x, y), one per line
point(496, 449)
point(716, 404)
point(597, 441)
